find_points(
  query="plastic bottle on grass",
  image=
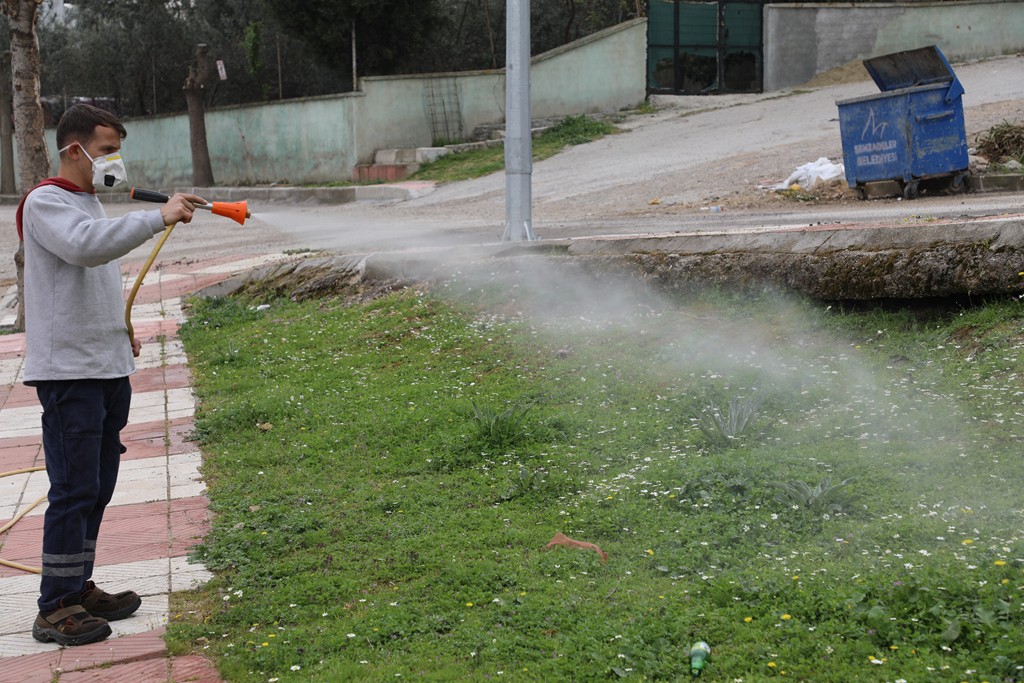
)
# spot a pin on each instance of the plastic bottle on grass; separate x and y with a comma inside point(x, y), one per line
point(699, 653)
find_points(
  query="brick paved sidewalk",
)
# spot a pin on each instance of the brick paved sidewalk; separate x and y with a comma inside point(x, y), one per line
point(158, 512)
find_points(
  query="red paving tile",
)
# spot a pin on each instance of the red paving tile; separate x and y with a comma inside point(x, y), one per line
point(20, 441)
point(142, 431)
point(151, 329)
point(19, 457)
point(150, 294)
point(153, 438)
point(193, 670)
point(157, 379)
point(20, 395)
point(149, 671)
point(130, 533)
point(12, 344)
point(140, 449)
point(193, 265)
point(177, 376)
point(75, 662)
point(30, 668)
point(134, 648)
point(180, 431)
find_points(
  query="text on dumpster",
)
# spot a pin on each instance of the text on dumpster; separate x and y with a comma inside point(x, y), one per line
point(875, 153)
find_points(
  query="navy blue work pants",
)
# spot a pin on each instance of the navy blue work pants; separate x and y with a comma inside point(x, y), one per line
point(82, 423)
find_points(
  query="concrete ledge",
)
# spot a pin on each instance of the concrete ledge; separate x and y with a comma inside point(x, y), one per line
point(974, 257)
point(1006, 182)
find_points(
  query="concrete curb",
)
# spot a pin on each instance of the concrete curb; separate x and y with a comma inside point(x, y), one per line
point(856, 261)
point(402, 191)
point(1005, 182)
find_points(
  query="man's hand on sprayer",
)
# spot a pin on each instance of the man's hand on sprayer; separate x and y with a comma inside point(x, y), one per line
point(180, 207)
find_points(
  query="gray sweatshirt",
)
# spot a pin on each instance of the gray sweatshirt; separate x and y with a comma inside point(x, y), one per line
point(74, 296)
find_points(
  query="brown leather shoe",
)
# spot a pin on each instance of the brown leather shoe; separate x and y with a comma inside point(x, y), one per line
point(110, 607)
point(69, 626)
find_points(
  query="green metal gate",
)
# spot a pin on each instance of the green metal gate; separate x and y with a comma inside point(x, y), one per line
point(703, 48)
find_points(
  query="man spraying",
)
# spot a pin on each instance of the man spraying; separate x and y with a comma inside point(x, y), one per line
point(78, 357)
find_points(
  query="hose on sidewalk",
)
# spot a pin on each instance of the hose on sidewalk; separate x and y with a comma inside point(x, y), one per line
point(7, 527)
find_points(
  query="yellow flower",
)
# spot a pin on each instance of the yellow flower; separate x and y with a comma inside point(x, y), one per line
point(967, 541)
point(469, 604)
point(894, 647)
point(747, 620)
point(771, 664)
point(265, 644)
point(786, 617)
point(1000, 563)
point(650, 552)
point(1005, 581)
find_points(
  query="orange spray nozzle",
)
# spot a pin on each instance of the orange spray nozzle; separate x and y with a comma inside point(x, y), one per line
point(236, 211)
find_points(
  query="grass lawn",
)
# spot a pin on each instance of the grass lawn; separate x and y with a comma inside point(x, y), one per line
point(820, 494)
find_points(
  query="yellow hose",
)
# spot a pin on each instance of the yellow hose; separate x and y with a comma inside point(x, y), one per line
point(138, 280)
point(6, 527)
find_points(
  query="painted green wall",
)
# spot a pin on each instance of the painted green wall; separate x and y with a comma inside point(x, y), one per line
point(320, 140)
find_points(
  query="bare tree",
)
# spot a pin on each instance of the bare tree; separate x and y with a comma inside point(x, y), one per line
point(7, 184)
point(195, 89)
point(33, 160)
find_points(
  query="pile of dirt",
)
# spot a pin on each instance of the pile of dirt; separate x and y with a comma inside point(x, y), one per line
point(851, 72)
point(834, 191)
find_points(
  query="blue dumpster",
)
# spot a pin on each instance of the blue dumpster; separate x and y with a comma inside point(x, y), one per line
point(913, 130)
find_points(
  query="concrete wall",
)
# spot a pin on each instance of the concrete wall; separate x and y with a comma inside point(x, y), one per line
point(603, 72)
point(803, 40)
point(319, 140)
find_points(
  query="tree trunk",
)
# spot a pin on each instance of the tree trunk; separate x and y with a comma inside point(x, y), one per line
point(7, 184)
point(490, 32)
point(195, 88)
point(33, 160)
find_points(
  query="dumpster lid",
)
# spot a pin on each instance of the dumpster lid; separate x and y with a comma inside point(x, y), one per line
point(923, 66)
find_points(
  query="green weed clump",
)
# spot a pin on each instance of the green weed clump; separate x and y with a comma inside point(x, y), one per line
point(367, 525)
point(726, 426)
point(499, 428)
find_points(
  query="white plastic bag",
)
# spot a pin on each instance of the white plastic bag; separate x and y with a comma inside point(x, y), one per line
point(807, 175)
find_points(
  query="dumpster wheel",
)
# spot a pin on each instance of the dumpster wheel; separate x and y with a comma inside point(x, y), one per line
point(911, 190)
point(957, 184)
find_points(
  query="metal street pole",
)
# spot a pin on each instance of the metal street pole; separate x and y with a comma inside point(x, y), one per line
point(518, 144)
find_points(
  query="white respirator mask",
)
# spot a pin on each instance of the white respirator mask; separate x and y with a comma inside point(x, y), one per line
point(107, 171)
